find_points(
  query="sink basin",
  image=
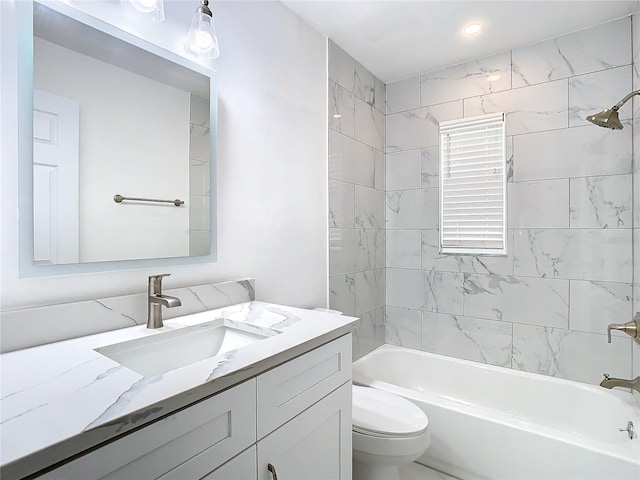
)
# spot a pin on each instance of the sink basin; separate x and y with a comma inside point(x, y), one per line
point(161, 353)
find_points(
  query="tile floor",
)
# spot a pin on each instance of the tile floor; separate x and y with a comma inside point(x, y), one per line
point(415, 471)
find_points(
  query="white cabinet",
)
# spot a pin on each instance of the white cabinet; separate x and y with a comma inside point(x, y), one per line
point(314, 445)
point(296, 416)
point(186, 444)
point(242, 467)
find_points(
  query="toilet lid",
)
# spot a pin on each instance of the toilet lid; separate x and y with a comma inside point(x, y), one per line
point(378, 412)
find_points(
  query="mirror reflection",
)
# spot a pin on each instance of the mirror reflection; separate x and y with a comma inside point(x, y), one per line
point(113, 119)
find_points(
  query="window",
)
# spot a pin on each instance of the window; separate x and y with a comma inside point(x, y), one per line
point(473, 186)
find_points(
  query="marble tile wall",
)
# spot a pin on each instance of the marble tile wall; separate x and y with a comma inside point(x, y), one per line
point(569, 272)
point(357, 197)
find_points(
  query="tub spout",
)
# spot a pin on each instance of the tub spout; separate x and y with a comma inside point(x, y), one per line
point(619, 382)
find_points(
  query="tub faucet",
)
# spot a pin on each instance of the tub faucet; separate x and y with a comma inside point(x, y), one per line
point(619, 382)
point(155, 301)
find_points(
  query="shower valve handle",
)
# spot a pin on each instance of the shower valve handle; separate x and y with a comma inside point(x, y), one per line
point(631, 328)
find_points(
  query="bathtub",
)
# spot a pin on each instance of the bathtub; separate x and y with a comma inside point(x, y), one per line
point(495, 423)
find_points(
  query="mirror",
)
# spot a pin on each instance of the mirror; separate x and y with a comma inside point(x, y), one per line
point(121, 158)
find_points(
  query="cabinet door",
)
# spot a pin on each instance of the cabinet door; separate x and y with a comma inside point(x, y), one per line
point(242, 467)
point(314, 445)
point(292, 387)
point(187, 444)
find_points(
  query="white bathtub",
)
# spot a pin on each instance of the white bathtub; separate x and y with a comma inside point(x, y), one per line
point(494, 423)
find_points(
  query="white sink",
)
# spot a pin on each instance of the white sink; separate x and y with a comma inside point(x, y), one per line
point(163, 352)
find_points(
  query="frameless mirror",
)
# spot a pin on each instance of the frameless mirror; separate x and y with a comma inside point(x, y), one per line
point(122, 159)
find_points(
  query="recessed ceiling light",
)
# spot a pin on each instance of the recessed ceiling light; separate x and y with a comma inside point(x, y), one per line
point(337, 115)
point(472, 28)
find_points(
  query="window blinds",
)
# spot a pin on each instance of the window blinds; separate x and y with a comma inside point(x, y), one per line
point(473, 185)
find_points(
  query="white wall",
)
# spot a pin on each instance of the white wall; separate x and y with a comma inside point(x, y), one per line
point(272, 199)
point(134, 141)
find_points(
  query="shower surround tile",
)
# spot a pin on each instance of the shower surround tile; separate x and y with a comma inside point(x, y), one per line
point(351, 161)
point(341, 204)
point(342, 250)
point(475, 339)
point(369, 125)
point(542, 204)
point(430, 167)
point(348, 73)
point(404, 170)
point(369, 207)
point(368, 333)
point(593, 92)
point(404, 248)
point(380, 166)
point(594, 305)
point(529, 109)
point(342, 294)
point(573, 152)
point(635, 28)
point(420, 127)
point(569, 354)
point(598, 48)
point(356, 196)
point(480, 77)
point(369, 290)
point(403, 327)
point(342, 110)
point(403, 95)
point(425, 290)
point(601, 202)
point(412, 209)
point(443, 292)
point(432, 259)
point(536, 301)
point(578, 254)
point(380, 92)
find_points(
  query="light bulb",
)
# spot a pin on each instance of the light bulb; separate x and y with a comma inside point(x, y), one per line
point(473, 28)
point(203, 40)
point(145, 6)
point(153, 7)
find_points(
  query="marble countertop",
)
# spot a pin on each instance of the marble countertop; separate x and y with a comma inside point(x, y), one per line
point(60, 399)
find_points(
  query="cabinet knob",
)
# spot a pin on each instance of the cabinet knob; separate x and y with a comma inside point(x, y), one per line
point(272, 469)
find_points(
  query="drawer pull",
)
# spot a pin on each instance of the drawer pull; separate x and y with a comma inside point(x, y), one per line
point(272, 469)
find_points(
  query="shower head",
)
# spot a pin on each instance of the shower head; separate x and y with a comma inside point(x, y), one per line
point(608, 118)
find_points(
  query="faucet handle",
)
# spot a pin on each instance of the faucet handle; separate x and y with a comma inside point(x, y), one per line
point(155, 282)
point(631, 328)
point(606, 376)
point(159, 276)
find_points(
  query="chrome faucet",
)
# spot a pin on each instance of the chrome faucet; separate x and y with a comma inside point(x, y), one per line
point(155, 301)
point(619, 382)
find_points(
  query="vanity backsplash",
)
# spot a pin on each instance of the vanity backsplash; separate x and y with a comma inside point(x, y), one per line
point(29, 327)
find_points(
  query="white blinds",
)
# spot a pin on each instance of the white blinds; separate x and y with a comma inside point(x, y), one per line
point(473, 185)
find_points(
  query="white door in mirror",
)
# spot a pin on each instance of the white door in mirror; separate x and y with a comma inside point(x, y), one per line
point(56, 156)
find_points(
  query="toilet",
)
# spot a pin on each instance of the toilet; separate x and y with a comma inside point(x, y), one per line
point(388, 431)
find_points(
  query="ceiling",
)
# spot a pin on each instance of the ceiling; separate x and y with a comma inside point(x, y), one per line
point(399, 39)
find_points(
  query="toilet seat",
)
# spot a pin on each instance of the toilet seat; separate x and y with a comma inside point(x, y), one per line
point(382, 414)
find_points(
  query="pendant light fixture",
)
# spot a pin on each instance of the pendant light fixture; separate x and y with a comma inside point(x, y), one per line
point(203, 41)
point(154, 8)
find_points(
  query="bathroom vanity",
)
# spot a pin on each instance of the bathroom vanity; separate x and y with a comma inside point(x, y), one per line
point(279, 405)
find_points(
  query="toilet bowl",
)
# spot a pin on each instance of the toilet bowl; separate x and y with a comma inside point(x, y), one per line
point(388, 431)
